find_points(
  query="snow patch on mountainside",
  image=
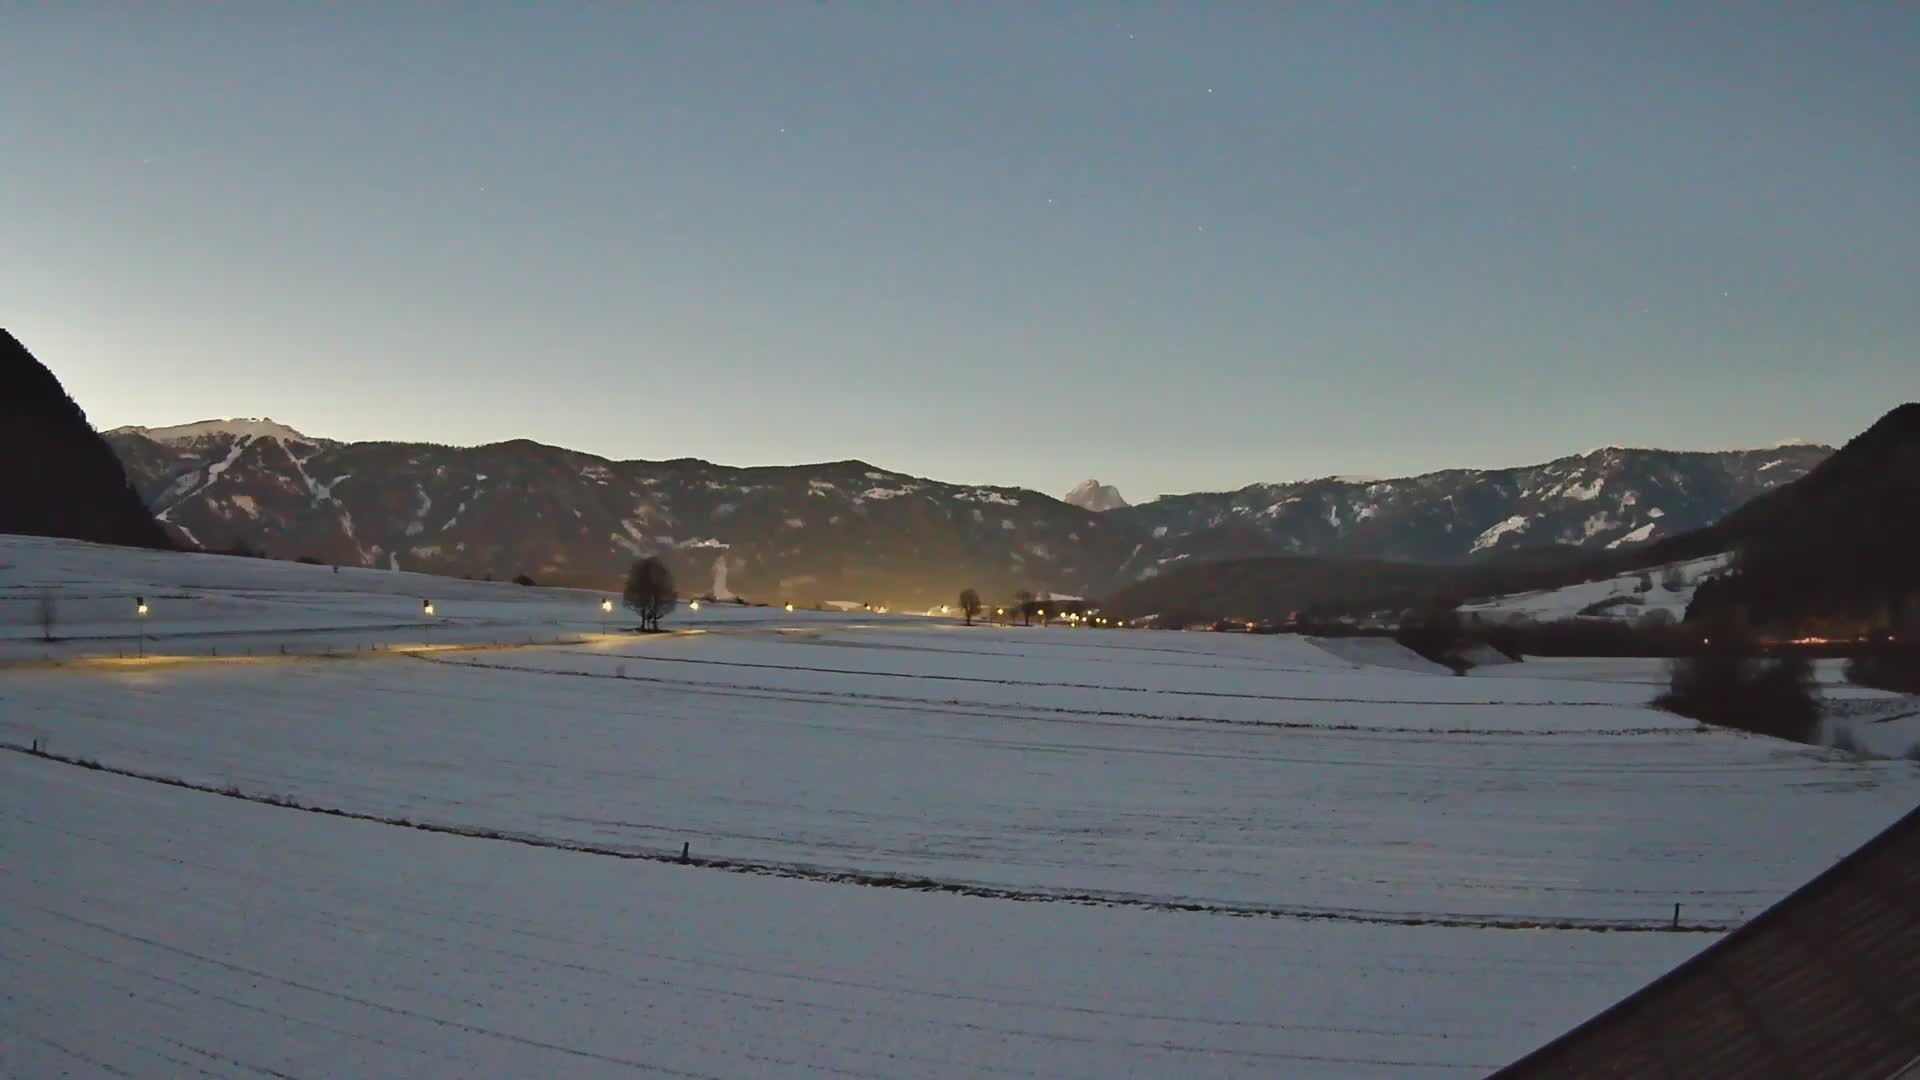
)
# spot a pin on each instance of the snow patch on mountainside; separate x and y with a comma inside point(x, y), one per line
point(1637, 536)
point(1492, 536)
point(250, 427)
point(1625, 601)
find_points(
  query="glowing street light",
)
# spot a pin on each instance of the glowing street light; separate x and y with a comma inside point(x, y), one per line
point(693, 605)
point(426, 607)
point(606, 609)
point(789, 608)
point(140, 609)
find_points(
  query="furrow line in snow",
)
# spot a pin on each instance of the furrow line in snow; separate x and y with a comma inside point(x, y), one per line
point(1004, 708)
point(1234, 694)
point(880, 879)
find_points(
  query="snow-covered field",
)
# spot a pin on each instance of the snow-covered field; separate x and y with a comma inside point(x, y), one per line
point(219, 605)
point(157, 932)
point(921, 849)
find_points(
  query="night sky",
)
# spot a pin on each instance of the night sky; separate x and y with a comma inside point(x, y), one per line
point(1174, 247)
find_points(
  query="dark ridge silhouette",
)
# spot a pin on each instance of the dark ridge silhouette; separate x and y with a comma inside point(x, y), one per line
point(64, 479)
point(1837, 543)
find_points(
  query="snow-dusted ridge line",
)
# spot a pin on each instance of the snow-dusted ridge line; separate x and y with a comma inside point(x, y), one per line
point(806, 872)
point(240, 426)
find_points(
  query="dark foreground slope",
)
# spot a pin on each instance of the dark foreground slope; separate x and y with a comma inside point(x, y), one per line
point(62, 477)
point(1837, 544)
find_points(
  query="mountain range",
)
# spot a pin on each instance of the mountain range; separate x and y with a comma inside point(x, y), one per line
point(853, 531)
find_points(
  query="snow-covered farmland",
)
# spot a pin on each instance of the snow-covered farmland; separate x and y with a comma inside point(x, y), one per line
point(216, 604)
point(152, 931)
point(916, 848)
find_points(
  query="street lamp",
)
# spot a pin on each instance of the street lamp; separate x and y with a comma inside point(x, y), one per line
point(693, 605)
point(140, 610)
point(606, 609)
point(789, 608)
point(426, 610)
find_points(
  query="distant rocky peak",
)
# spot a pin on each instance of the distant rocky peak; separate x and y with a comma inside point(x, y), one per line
point(1096, 496)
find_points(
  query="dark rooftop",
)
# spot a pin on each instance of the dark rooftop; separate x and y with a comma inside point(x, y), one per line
point(1825, 983)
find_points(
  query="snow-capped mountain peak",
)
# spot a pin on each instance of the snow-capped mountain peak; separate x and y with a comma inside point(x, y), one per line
point(236, 427)
point(1094, 495)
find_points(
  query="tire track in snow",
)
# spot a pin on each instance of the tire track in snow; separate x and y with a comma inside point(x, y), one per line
point(974, 708)
point(1234, 694)
point(915, 883)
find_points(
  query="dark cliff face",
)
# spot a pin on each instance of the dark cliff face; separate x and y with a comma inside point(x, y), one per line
point(62, 477)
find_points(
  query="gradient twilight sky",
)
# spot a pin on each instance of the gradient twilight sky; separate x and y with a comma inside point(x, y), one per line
point(1176, 247)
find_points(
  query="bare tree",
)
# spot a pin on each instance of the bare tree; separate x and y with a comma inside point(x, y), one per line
point(1024, 601)
point(649, 592)
point(969, 604)
point(47, 610)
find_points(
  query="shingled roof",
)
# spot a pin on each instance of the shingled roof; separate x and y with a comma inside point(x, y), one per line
point(1825, 983)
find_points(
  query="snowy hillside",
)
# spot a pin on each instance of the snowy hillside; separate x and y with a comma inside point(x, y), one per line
point(1605, 499)
point(1659, 592)
point(913, 848)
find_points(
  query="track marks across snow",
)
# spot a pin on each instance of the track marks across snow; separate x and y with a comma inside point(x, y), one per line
point(840, 876)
